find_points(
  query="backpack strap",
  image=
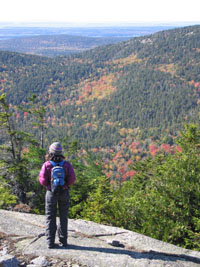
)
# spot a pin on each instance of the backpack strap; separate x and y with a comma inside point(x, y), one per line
point(61, 163)
point(57, 163)
point(53, 163)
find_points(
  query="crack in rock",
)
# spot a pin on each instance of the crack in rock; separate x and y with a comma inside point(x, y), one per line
point(98, 235)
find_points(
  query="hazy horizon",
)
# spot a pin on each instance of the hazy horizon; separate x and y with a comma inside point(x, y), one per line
point(96, 24)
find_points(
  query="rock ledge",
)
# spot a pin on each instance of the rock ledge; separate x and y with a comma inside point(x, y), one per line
point(90, 245)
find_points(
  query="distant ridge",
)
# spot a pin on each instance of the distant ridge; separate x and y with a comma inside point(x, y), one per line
point(55, 45)
point(87, 30)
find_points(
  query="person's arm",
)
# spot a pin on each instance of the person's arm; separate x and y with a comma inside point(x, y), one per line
point(71, 177)
point(44, 176)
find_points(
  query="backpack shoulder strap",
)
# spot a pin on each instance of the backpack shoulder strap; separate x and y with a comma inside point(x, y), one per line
point(53, 163)
point(61, 163)
point(57, 163)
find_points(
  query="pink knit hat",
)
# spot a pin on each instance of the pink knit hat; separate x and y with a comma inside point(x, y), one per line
point(55, 148)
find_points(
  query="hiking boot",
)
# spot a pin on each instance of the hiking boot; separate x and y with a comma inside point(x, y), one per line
point(51, 246)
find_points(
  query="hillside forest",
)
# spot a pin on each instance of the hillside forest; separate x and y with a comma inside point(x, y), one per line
point(127, 115)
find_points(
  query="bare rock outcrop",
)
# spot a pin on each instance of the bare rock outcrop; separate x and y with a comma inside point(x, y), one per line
point(90, 244)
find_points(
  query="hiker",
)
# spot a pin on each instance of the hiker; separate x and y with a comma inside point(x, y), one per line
point(60, 195)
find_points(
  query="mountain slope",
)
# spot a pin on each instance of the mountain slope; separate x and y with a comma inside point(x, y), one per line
point(148, 84)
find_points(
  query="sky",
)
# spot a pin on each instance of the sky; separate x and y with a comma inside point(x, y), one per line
point(100, 11)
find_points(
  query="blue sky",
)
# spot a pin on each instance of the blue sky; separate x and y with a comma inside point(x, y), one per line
point(101, 11)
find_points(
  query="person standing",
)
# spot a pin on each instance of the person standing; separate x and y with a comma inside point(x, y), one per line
point(53, 199)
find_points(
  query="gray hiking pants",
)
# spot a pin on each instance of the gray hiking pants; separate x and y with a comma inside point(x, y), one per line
point(51, 202)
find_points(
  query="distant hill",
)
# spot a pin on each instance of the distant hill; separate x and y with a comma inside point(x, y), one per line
point(146, 86)
point(56, 45)
point(10, 31)
point(55, 41)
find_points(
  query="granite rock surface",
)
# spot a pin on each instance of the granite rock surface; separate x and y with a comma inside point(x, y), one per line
point(90, 245)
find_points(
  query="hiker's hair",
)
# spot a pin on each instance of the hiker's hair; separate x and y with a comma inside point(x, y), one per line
point(53, 157)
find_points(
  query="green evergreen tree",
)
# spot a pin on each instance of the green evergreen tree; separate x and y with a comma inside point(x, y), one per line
point(20, 158)
point(12, 152)
point(97, 207)
point(37, 111)
point(162, 199)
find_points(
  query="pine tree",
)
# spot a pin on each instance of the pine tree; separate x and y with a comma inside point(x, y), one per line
point(17, 175)
point(162, 199)
point(97, 208)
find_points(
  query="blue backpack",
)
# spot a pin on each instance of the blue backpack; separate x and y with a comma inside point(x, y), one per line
point(57, 176)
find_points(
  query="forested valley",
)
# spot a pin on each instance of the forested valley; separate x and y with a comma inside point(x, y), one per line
point(127, 115)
